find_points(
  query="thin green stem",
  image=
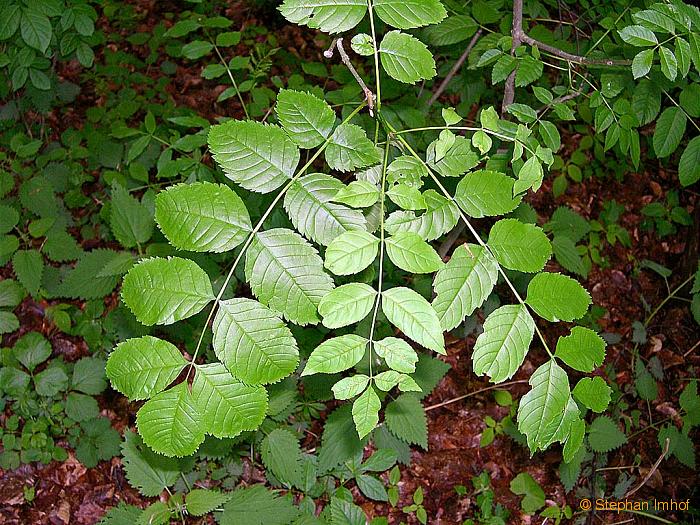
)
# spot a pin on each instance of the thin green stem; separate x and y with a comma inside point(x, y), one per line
point(461, 128)
point(667, 299)
point(607, 32)
point(230, 76)
point(252, 234)
point(470, 227)
point(380, 280)
point(681, 108)
point(378, 88)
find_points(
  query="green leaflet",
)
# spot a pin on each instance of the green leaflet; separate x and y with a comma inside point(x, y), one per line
point(557, 297)
point(670, 129)
point(405, 58)
point(351, 252)
point(202, 217)
point(365, 412)
point(307, 119)
point(458, 159)
point(397, 353)
point(253, 343)
point(408, 170)
point(286, 274)
point(141, 367)
point(500, 349)
point(441, 216)
point(336, 355)
point(350, 387)
point(163, 291)
point(452, 30)
point(406, 197)
point(593, 392)
point(257, 156)
point(350, 149)
point(346, 304)
point(227, 406)
point(485, 193)
point(414, 316)
point(542, 408)
point(410, 14)
point(411, 253)
point(463, 284)
point(582, 350)
point(308, 204)
point(519, 246)
point(358, 194)
point(171, 422)
point(330, 16)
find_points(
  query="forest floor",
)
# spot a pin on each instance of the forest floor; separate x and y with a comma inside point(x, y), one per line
point(68, 492)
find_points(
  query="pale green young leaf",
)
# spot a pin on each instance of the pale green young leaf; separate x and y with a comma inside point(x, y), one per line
point(350, 387)
point(199, 502)
point(227, 405)
point(485, 193)
point(362, 44)
point(440, 217)
point(670, 129)
point(638, 36)
point(131, 220)
point(308, 204)
point(365, 412)
point(405, 418)
point(286, 274)
point(582, 350)
point(557, 297)
point(397, 353)
point(330, 16)
point(253, 343)
point(409, 14)
point(542, 407)
point(358, 194)
point(414, 316)
point(389, 379)
point(281, 454)
point(406, 197)
point(411, 253)
point(28, 267)
point(604, 435)
point(171, 422)
point(519, 246)
point(307, 119)
point(463, 284)
point(350, 149)
point(689, 165)
point(202, 217)
point(642, 62)
point(351, 252)
point(405, 58)
point(336, 355)
point(500, 349)
point(593, 392)
point(257, 156)
point(163, 291)
point(141, 367)
point(346, 304)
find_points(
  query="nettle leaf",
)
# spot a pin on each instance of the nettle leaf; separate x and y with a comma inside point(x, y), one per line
point(308, 204)
point(227, 406)
point(557, 297)
point(255, 505)
point(350, 387)
point(358, 194)
point(410, 14)
point(346, 304)
point(350, 149)
point(131, 220)
point(307, 119)
point(500, 349)
point(253, 343)
point(199, 502)
point(593, 392)
point(485, 193)
point(330, 16)
point(582, 350)
point(281, 454)
point(150, 473)
point(670, 128)
point(88, 279)
point(604, 435)
point(405, 418)
point(542, 408)
point(163, 291)
point(202, 217)
point(336, 355)
point(441, 216)
point(519, 246)
point(365, 412)
point(28, 266)
point(259, 157)
point(463, 284)
point(141, 367)
point(171, 422)
point(351, 252)
point(397, 353)
point(411, 253)
point(414, 316)
point(405, 58)
point(286, 274)
point(339, 441)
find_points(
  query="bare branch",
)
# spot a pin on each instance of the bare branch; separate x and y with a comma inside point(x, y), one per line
point(653, 469)
point(576, 59)
point(455, 68)
point(369, 96)
point(517, 34)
